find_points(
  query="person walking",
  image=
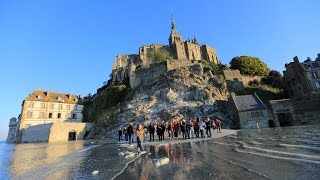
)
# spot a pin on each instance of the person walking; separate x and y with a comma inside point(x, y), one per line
point(130, 132)
point(151, 131)
point(176, 129)
point(120, 133)
point(140, 133)
point(183, 129)
point(196, 127)
point(218, 124)
point(202, 126)
point(159, 131)
point(125, 133)
point(208, 128)
point(163, 129)
point(188, 129)
point(191, 128)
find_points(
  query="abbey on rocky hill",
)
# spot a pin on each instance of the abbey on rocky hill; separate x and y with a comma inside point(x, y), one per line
point(179, 52)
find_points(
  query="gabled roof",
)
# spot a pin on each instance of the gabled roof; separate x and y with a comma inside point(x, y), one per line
point(248, 103)
point(50, 96)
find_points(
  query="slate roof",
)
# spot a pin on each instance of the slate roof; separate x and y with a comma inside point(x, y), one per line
point(248, 103)
point(50, 96)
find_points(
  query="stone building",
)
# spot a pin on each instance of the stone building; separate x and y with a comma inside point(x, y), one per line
point(126, 66)
point(42, 107)
point(42, 110)
point(250, 112)
point(302, 79)
point(302, 82)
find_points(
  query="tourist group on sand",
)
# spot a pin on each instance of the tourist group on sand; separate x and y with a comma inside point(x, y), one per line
point(194, 128)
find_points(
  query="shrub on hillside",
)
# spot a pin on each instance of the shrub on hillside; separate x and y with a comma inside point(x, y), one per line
point(249, 65)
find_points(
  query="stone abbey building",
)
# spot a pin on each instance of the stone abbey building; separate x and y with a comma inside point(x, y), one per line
point(179, 52)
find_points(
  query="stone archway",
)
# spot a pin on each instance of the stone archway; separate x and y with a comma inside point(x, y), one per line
point(72, 135)
point(271, 123)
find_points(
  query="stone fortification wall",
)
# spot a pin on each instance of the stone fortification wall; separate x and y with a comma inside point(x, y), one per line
point(147, 75)
point(177, 63)
point(37, 133)
point(59, 131)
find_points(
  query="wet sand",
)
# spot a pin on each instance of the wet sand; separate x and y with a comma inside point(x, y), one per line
point(183, 156)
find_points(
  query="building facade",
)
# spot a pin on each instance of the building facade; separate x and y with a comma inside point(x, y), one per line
point(42, 107)
point(250, 112)
point(302, 79)
point(48, 116)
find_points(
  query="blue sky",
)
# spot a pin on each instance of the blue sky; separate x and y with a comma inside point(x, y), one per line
point(69, 46)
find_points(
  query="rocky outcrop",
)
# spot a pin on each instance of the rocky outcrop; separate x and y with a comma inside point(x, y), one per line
point(186, 92)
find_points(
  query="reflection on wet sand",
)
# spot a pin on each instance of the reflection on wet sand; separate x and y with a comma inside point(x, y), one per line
point(248, 155)
point(28, 157)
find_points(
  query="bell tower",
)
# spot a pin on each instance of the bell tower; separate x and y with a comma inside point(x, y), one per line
point(174, 35)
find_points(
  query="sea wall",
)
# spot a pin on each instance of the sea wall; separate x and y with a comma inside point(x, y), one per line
point(55, 132)
point(36, 133)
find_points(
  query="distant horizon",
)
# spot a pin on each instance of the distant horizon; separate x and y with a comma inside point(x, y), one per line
point(70, 47)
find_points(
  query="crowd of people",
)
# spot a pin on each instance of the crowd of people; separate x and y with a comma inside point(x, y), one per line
point(194, 128)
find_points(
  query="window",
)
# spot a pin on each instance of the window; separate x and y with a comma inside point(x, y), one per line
point(39, 97)
point(317, 85)
point(29, 114)
point(41, 115)
point(67, 116)
point(30, 105)
point(59, 115)
point(260, 113)
point(60, 106)
point(52, 106)
point(315, 75)
point(50, 115)
point(74, 116)
point(43, 105)
point(68, 107)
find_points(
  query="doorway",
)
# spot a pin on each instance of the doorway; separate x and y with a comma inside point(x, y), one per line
point(72, 135)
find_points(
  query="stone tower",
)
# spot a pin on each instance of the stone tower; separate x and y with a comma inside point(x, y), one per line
point(176, 42)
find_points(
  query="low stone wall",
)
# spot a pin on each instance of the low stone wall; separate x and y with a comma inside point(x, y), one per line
point(54, 132)
point(36, 133)
point(59, 131)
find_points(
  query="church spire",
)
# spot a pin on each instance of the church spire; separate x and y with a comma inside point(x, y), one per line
point(173, 24)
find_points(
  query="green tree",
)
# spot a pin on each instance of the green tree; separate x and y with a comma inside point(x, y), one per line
point(274, 79)
point(249, 65)
point(159, 55)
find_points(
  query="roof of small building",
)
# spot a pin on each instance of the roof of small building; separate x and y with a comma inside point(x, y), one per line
point(50, 96)
point(248, 103)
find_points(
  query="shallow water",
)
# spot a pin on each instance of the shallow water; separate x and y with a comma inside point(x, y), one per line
point(279, 153)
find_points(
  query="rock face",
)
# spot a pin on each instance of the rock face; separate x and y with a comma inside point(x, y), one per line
point(185, 92)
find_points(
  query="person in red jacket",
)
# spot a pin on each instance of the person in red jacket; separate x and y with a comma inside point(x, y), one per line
point(218, 123)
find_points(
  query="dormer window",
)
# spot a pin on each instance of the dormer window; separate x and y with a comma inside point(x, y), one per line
point(76, 100)
point(39, 97)
point(60, 99)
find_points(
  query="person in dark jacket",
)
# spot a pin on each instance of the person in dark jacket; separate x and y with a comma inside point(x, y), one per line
point(163, 129)
point(125, 133)
point(188, 129)
point(120, 134)
point(151, 131)
point(208, 127)
point(159, 132)
point(196, 127)
point(130, 132)
point(183, 129)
